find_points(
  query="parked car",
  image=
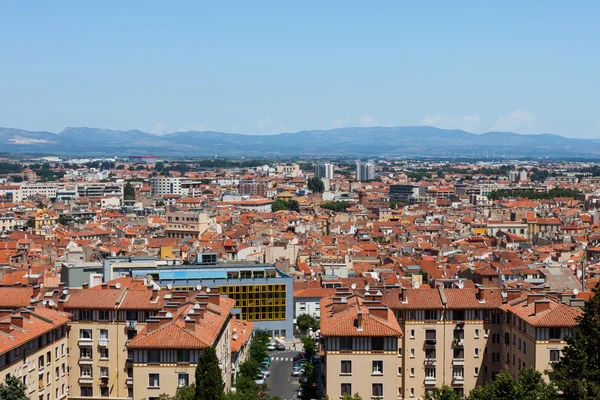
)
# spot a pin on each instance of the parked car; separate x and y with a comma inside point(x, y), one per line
point(267, 360)
point(264, 368)
point(300, 355)
point(270, 347)
point(260, 379)
point(303, 379)
point(280, 346)
point(298, 370)
point(301, 361)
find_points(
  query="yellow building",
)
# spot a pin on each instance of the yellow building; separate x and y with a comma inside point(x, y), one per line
point(33, 348)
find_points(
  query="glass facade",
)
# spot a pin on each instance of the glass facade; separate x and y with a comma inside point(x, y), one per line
point(258, 302)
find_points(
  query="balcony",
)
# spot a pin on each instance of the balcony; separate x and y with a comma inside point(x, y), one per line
point(103, 342)
point(458, 380)
point(458, 361)
point(86, 361)
point(458, 342)
point(430, 361)
point(129, 380)
point(430, 342)
point(130, 324)
point(85, 342)
point(104, 380)
point(430, 381)
point(87, 380)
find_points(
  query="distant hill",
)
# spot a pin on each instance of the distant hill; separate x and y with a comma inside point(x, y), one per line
point(373, 141)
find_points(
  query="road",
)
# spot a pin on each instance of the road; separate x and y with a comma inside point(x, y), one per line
point(281, 382)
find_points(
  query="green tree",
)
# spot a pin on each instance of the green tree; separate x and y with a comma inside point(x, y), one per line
point(183, 393)
point(209, 380)
point(337, 206)
point(62, 220)
point(159, 166)
point(278, 205)
point(306, 321)
point(30, 224)
point(309, 347)
point(129, 191)
point(443, 393)
point(293, 205)
point(13, 389)
point(529, 385)
point(316, 185)
point(577, 373)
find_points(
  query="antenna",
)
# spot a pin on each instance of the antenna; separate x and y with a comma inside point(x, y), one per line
point(51, 303)
point(198, 287)
point(207, 290)
point(196, 306)
point(169, 315)
point(118, 285)
point(461, 284)
point(353, 286)
point(575, 291)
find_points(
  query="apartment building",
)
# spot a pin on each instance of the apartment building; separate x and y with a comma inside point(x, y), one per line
point(365, 171)
point(166, 352)
point(324, 170)
point(96, 190)
point(29, 189)
point(166, 185)
point(534, 330)
point(181, 224)
point(360, 341)
point(33, 348)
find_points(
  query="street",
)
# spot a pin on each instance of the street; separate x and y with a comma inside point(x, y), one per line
point(281, 382)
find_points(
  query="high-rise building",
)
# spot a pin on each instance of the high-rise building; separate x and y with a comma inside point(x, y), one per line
point(324, 170)
point(166, 185)
point(365, 171)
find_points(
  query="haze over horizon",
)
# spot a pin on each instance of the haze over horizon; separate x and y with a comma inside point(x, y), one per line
point(266, 68)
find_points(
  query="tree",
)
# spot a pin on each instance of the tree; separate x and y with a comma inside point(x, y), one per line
point(183, 393)
point(293, 205)
point(309, 347)
point(159, 166)
point(528, 386)
point(30, 224)
point(316, 185)
point(13, 389)
point(443, 393)
point(577, 373)
point(306, 321)
point(129, 191)
point(278, 205)
point(62, 220)
point(209, 380)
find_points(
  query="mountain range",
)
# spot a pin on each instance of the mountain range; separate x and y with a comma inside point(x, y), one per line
point(363, 141)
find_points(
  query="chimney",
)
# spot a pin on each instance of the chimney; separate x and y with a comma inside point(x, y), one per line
point(4, 313)
point(535, 297)
point(61, 305)
point(214, 298)
point(379, 312)
point(541, 306)
point(481, 294)
point(190, 323)
point(5, 326)
point(152, 325)
point(36, 291)
point(16, 320)
point(61, 285)
point(26, 314)
point(104, 285)
point(512, 294)
point(359, 320)
point(85, 286)
point(154, 295)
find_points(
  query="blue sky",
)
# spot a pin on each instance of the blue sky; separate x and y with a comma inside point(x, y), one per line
point(266, 67)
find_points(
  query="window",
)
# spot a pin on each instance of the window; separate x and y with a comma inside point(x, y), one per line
point(377, 367)
point(476, 373)
point(85, 352)
point(131, 315)
point(183, 379)
point(41, 362)
point(346, 367)
point(48, 357)
point(85, 371)
point(62, 349)
point(412, 392)
point(86, 315)
point(86, 391)
point(63, 369)
point(131, 333)
point(346, 343)
point(346, 388)
point(430, 334)
point(103, 315)
point(57, 372)
point(554, 355)
point(154, 356)
point(412, 372)
point(458, 372)
point(183, 356)
point(476, 333)
point(486, 332)
point(412, 333)
point(459, 353)
point(56, 354)
point(377, 390)
point(104, 352)
point(555, 333)
point(377, 343)
point(458, 315)
point(524, 347)
point(495, 338)
point(412, 353)
point(495, 357)
point(519, 344)
point(103, 391)
point(104, 334)
point(476, 352)
point(85, 334)
point(103, 372)
point(430, 314)
point(430, 353)
point(153, 380)
point(429, 372)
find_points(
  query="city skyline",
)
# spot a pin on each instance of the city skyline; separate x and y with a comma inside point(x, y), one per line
point(270, 68)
